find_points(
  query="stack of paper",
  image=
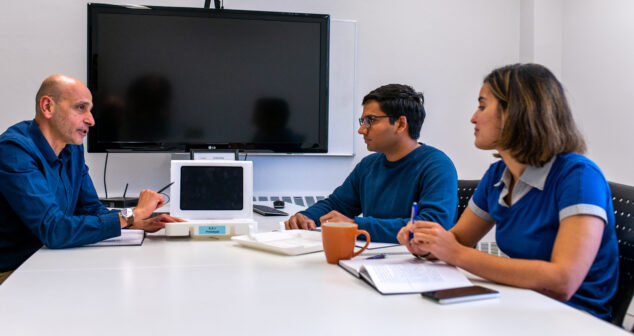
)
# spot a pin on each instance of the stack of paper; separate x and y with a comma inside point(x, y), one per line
point(128, 237)
point(291, 242)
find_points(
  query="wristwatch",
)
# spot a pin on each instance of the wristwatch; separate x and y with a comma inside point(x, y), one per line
point(128, 215)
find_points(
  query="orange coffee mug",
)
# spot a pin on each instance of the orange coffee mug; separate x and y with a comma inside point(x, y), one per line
point(338, 240)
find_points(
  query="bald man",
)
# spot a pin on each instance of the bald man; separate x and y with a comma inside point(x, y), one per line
point(46, 194)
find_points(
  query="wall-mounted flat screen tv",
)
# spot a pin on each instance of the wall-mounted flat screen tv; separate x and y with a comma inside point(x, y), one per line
point(172, 79)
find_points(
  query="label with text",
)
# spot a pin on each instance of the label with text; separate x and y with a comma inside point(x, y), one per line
point(212, 230)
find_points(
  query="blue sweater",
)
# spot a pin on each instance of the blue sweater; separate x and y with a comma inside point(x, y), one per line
point(383, 192)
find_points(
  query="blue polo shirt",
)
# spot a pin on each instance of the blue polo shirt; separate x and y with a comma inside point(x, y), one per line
point(45, 198)
point(569, 184)
point(383, 191)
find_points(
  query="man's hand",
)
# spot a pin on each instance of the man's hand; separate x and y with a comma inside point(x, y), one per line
point(299, 221)
point(335, 217)
point(148, 202)
point(155, 223)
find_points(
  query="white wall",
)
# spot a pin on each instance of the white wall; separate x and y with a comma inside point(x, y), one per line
point(589, 45)
point(598, 73)
point(443, 48)
point(541, 33)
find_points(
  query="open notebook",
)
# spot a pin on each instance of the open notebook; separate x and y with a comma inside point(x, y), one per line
point(405, 274)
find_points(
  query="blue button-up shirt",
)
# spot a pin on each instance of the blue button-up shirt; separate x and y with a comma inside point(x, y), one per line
point(45, 198)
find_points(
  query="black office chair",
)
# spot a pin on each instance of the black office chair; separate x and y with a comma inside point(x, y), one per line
point(623, 202)
point(465, 190)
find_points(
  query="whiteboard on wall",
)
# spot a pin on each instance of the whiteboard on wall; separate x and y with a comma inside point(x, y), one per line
point(342, 91)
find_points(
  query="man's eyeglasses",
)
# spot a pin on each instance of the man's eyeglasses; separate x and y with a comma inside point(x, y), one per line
point(368, 120)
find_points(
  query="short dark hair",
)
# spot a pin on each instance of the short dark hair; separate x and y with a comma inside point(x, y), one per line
point(397, 100)
point(539, 123)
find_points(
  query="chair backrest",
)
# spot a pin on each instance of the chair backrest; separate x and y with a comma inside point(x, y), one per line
point(623, 202)
point(465, 191)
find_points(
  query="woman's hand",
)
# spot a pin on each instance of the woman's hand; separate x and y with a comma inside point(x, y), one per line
point(403, 237)
point(432, 237)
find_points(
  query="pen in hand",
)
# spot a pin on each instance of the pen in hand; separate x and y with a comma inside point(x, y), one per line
point(165, 187)
point(414, 213)
point(411, 234)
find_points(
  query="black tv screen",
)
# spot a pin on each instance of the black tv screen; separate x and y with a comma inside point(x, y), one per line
point(178, 79)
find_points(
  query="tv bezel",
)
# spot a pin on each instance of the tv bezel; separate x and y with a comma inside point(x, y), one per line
point(96, 146)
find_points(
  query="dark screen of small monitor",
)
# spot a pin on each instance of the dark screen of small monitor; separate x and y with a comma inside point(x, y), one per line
point(211, 188)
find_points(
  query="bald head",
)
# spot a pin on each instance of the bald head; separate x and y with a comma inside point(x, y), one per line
point(55, 86)
point(63, 111)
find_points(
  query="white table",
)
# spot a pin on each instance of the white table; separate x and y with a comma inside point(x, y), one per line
point(183, 287)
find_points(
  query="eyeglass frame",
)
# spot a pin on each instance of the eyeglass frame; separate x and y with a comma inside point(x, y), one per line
point(369, 119)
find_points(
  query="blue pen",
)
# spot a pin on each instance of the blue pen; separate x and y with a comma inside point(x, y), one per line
point(378, 256)
point(414, 213)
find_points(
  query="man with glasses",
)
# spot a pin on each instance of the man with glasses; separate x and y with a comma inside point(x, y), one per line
point(46, 194)
point(384, 185)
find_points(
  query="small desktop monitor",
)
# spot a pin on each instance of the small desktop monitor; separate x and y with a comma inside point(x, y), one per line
point(212, 189)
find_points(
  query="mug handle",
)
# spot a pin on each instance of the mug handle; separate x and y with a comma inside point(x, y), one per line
point(367, 242)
